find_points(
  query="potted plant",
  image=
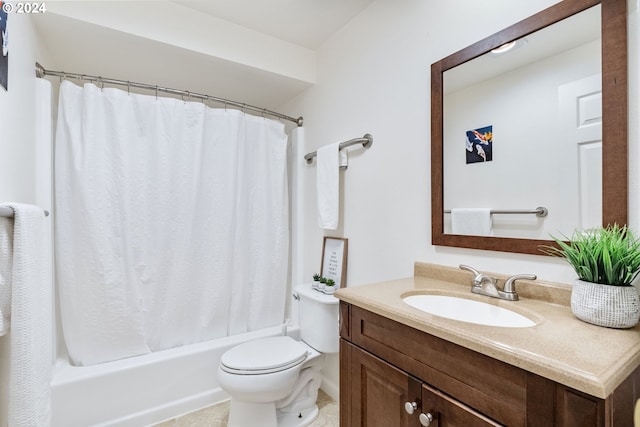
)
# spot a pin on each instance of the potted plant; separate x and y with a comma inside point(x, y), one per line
point(606, 261)
point(321, 284)
point(316, 281)
point(330, 287)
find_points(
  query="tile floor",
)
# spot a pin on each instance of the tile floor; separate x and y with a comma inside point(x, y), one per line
point(216, 415)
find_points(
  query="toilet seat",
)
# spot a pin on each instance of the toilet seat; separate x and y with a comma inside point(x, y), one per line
point(264, 356)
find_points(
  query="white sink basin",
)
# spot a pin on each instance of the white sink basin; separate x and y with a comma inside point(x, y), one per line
point(467, 310)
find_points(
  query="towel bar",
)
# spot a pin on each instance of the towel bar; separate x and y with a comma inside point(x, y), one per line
point(539, 211)
point(7, 212)
point(366, 141)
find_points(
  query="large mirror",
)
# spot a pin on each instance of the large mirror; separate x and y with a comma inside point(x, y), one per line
point(529, 130)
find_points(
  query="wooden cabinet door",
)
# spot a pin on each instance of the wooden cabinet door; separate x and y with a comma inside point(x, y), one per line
point(448, 412)
point(575, 409)
point(378, 392)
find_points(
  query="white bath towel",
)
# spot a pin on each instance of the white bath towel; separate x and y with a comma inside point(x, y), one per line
point(328, 186)
point(30, 316)
point(472, 221)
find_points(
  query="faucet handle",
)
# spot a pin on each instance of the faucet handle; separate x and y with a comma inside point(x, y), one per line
point(471, 269)
point(479, 278)
point(510, 283)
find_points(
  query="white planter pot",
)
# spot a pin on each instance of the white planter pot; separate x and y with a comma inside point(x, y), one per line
point(329, 290)
point(604, 305)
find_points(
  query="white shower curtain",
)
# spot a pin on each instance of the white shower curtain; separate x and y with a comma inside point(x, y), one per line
point(171, 222)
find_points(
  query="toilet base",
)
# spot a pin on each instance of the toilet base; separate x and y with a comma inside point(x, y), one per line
point(246, 414)
point(300, 419)
point(249, 414)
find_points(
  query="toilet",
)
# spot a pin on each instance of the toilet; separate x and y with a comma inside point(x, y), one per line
point(274, 382)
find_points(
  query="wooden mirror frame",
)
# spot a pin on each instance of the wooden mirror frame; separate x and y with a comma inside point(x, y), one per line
point(614, 119)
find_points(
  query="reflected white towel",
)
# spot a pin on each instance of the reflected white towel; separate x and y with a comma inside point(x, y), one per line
point(473, 221)
point(31, 332)
point(328, 186)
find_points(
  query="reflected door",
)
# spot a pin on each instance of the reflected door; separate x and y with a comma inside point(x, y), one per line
point(581, 119)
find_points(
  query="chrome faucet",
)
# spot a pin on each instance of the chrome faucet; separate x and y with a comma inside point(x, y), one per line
point(487, 285)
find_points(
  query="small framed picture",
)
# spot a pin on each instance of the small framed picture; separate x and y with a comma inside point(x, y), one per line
point(334, 260)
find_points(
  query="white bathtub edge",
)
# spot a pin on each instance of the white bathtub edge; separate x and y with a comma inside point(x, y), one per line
point(169, 411)
point(143, 390)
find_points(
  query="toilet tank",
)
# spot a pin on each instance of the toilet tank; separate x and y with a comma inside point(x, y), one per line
point(318, 317)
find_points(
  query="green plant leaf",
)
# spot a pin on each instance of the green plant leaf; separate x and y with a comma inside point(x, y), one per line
point(608, 255)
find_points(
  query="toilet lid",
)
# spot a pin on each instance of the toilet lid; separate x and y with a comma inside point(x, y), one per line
point(264, 355)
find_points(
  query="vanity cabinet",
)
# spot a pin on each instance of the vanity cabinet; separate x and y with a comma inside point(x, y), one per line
point(382, 395)
point(390, 374)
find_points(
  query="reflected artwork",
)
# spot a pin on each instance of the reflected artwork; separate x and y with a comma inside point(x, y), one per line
point(479, 145)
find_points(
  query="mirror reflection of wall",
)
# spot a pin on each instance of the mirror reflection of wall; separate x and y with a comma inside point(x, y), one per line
point(540, 103)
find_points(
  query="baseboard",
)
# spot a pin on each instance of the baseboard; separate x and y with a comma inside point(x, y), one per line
point(331, 388)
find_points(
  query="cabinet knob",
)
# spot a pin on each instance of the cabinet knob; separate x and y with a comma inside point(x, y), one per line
point(425, 419)
point(410, 407)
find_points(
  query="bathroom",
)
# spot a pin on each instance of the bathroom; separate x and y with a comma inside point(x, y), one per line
point(371, 75)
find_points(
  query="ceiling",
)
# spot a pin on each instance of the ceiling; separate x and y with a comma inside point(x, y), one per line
point(559, 38)
point(307, 23)
point(78, 45)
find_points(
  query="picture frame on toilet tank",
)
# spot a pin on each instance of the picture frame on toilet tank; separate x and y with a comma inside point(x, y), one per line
point(334, 260)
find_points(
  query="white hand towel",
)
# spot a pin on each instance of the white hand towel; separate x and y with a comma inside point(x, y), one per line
point(328, 186)
point(6, 266)
point(31, 319)
point(473, 221)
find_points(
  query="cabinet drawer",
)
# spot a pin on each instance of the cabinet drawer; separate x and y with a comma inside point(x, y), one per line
point(447, 412)
point(489, 386)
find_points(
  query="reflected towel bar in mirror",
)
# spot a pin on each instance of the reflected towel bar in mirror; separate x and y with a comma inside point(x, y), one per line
point(366, 141)
point(539, 211)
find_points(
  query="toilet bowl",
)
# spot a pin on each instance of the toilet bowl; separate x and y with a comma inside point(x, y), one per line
point(262, 370)
point(274, 382)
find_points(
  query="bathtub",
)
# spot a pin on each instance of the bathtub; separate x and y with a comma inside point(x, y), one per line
point(143, 390)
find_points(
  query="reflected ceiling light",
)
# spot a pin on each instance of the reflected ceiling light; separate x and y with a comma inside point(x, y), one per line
point(505, 47)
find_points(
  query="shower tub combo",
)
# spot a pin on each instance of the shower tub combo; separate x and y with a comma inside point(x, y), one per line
point(147, 389)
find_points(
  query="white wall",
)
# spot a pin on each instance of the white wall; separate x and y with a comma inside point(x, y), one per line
point(373, 77)
point(634, 113)
point(17, 149)
point(17, 142)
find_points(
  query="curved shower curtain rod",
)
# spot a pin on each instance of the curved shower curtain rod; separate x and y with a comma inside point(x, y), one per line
point(42, 72)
